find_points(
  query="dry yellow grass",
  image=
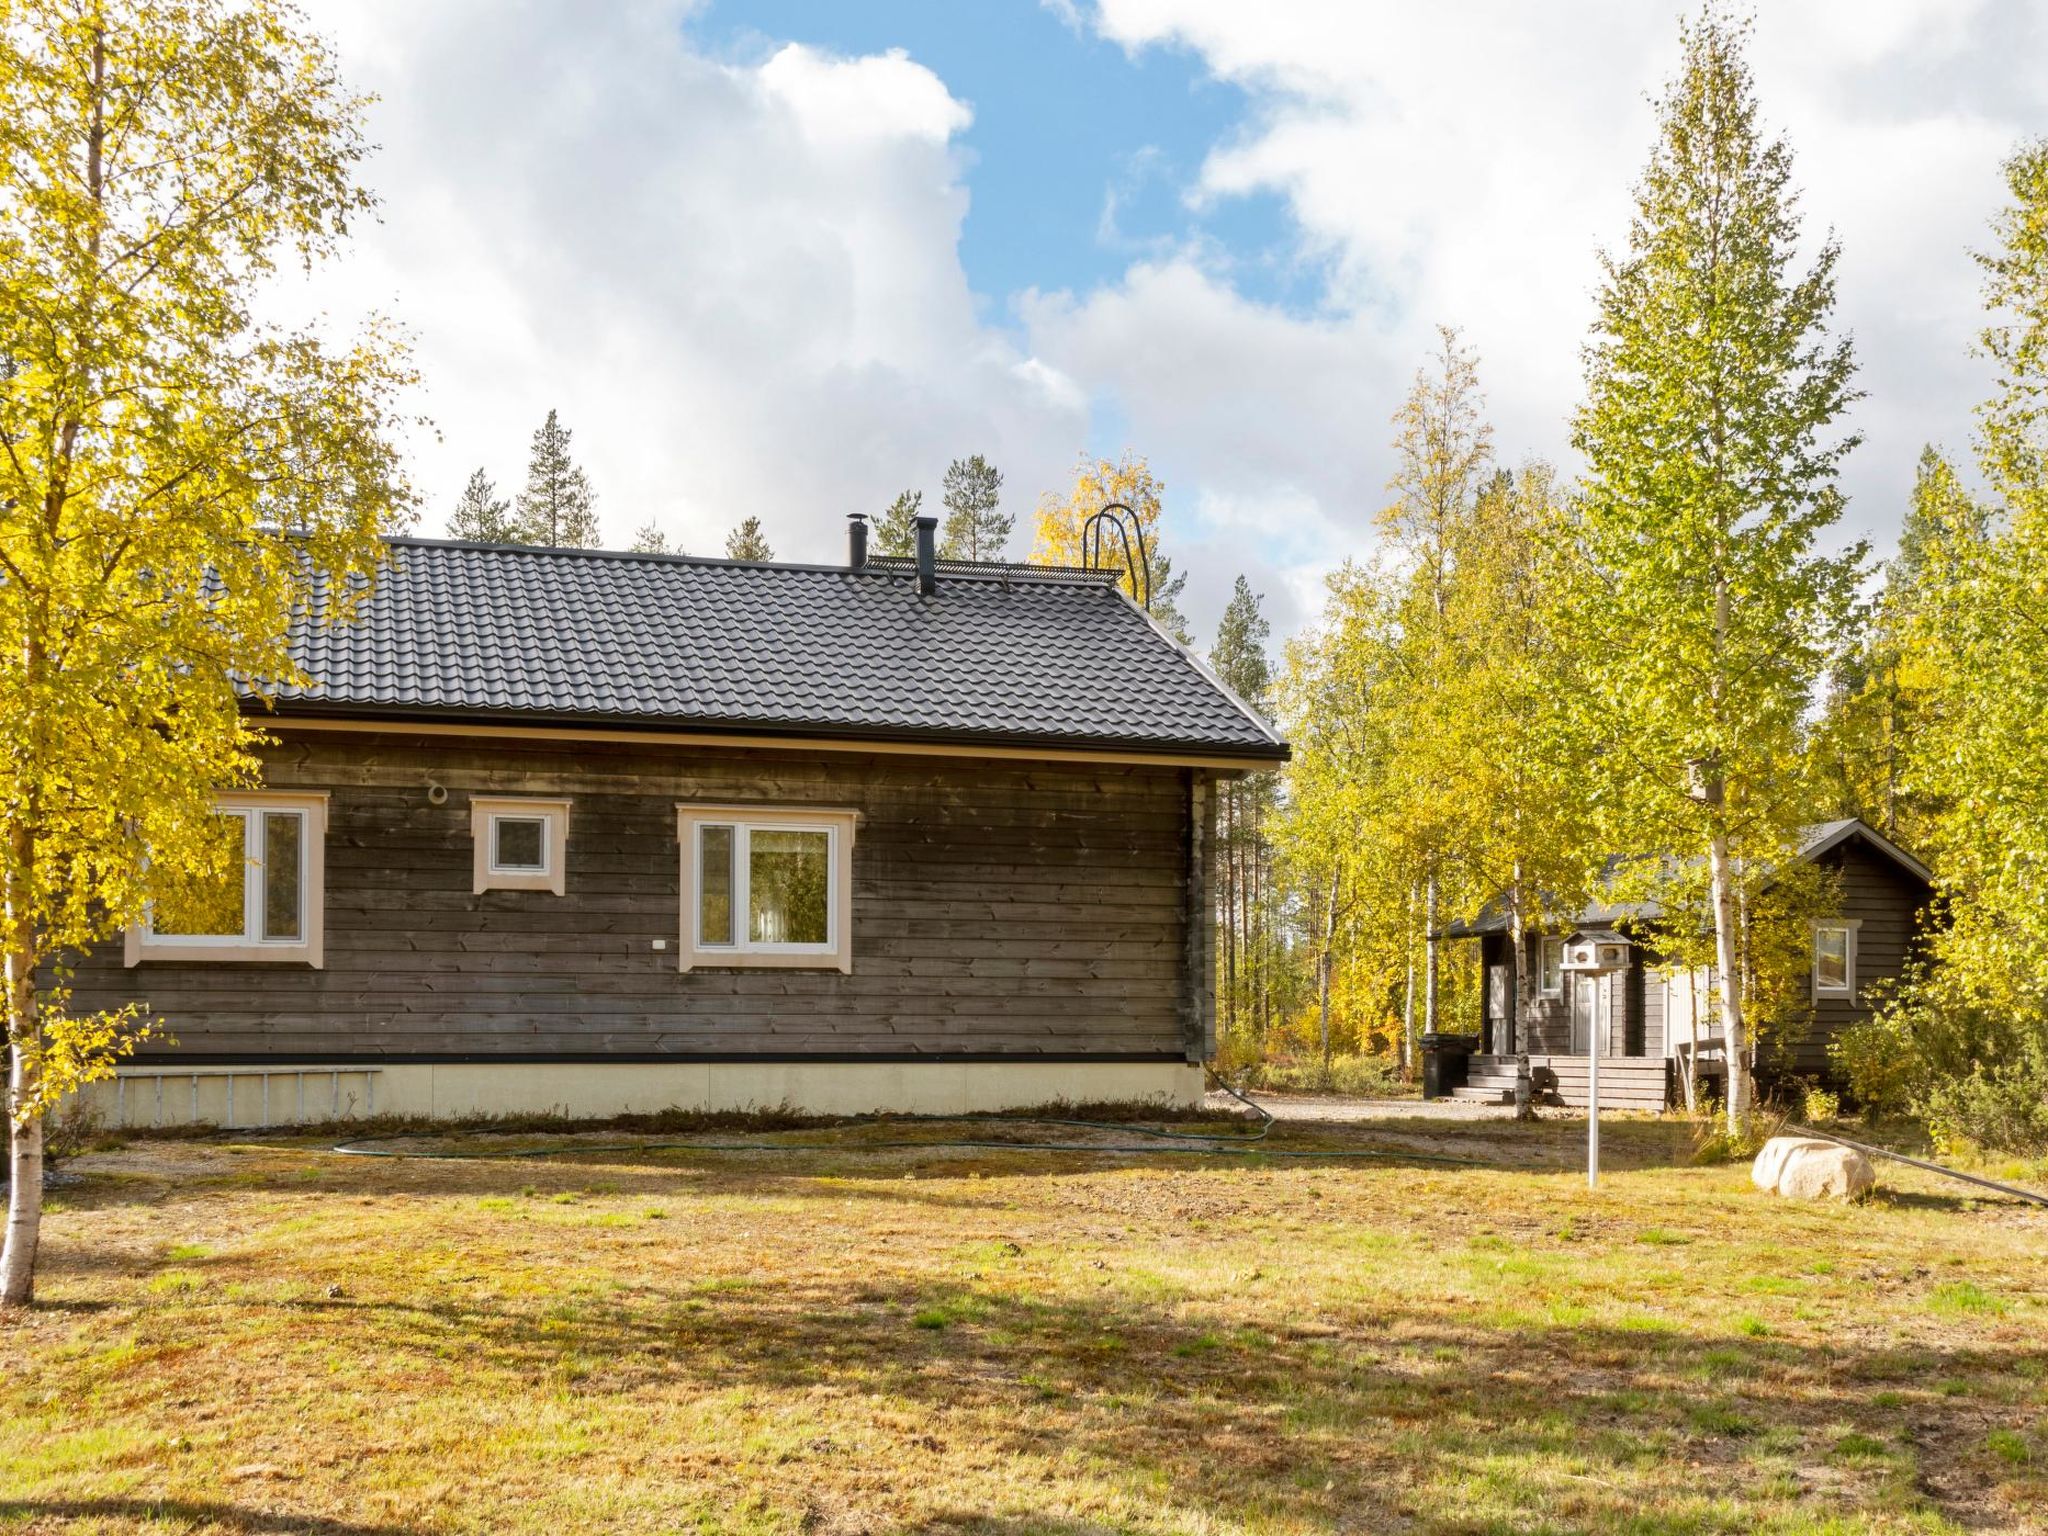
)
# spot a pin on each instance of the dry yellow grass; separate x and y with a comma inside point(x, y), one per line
point(270, 1339)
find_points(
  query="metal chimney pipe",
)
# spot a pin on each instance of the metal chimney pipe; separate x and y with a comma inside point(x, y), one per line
point(856, 539)
point(927, 555)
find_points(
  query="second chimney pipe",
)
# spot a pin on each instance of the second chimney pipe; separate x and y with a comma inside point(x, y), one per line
point(927, 555)
point(856, 539)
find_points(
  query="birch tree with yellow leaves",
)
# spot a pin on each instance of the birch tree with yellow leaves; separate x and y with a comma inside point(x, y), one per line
point(176, 477)
point(1710, 433)
point(1063, 518)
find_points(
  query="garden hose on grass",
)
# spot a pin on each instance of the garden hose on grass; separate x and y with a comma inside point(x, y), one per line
point(1921, 1163)
point(1196, 1143)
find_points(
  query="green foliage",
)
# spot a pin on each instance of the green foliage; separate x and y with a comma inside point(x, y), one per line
point(1349, 1073)
point(557, 508)
point(1713, 389)
point(976, 527)
point(1255, 976)
point(649, 539)
point(748, 542)
point(480, 514)
point(1964, 1044)
point(896, 528)
point(1882, 695)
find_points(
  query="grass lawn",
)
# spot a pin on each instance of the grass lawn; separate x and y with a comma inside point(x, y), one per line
point(271, 1338)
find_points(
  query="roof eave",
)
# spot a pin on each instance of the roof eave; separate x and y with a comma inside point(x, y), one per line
point(1249, 757)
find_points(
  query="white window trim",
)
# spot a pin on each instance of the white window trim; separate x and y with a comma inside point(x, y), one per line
point(1848, 926)
point(836, 954)
point(486, 875)
point(310, 948)
point(1543, 968)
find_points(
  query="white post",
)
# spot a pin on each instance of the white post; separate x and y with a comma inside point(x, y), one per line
point(1600, 1004)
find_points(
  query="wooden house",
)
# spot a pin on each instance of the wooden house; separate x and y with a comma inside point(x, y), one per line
point(1651, 1016)
point(574, 831)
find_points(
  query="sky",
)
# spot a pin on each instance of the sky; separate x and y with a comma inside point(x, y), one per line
point(787, 258)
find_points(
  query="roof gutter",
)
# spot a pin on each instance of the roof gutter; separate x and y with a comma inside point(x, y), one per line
point(297, 715)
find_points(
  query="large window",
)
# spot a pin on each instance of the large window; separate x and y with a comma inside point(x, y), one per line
point(1834, 960)
point(521, 844)
point(263, 899)
point(766, 887)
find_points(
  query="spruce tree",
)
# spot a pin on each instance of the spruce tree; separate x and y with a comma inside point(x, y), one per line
point(896, 529)
point(556, 508)
point(748, 542)
point(1713, 389)
point(976, 528)
point(480, 515)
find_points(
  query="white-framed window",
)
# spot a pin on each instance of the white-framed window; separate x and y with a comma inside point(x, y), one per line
point(1834, 958)
point(766, 886)
point(271, 903)
point(521, 844)
point(1550, 975)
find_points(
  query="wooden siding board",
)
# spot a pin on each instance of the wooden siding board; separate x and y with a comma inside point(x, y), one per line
point(999, 909)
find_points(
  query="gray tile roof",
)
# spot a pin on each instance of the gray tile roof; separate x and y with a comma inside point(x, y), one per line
point(543, 636)
point(1814, 840)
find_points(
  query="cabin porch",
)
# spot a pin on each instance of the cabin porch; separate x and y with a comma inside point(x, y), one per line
point(1626, 1082)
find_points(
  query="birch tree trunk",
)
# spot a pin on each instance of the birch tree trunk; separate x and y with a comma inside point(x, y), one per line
point(25, 1139)
point(1408, 1003)
point(1518, 1005)
point(1728, 969)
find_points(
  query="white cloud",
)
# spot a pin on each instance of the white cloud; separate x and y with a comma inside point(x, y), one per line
point(1463, 163)
point(738, 282)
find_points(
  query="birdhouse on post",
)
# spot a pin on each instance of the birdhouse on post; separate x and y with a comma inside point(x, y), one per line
point(1595, 952)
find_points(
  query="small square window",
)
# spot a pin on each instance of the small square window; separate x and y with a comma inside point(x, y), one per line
point(520, 844)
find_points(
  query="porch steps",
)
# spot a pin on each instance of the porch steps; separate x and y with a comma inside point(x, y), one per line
point(1487, 1083)
point(1626, 1082)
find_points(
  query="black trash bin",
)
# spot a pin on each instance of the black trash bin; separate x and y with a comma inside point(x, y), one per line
point(1445, 1061)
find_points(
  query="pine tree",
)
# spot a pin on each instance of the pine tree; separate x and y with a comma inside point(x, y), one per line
point(648, 539)
point(1713, 389)
point(896, 529)
point(555, 509)
point(480, 516)
point(1245, 809)
point(748, 542)
point(975, 527)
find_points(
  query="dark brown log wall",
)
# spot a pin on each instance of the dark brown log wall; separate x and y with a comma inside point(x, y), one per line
point(1000, 909)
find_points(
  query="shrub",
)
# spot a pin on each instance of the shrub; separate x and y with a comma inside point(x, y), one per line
point(1976, 1075)
point(1820, 1105)
point(2002, 1108)
point(1374, 1077)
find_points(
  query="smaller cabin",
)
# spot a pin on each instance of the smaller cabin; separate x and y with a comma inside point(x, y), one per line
point(1652, 1019)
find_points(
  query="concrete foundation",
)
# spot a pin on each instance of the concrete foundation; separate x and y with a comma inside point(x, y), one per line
point(247, 1097)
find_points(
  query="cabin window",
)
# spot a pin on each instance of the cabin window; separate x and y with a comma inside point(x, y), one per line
point(521, 844)
point(766, 887)
point(1834, 959)
point(1550, 979)
point(263, 900)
